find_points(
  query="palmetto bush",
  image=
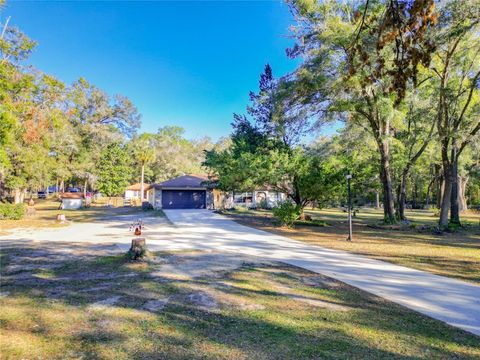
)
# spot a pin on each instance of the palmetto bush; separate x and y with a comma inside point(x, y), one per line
point(12, 211)
point(286, 213)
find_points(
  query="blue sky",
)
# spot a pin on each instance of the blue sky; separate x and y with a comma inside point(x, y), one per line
point(190, 64)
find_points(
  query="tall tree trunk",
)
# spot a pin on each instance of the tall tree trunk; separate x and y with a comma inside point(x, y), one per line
point(388, 202)
point(377, 199)
point(440, 191)
point(415, 195)
point(462, 187)
point(447, 183)
point(142, 187)
point(454, 208)
point(446, 196)
point(402, 196)
point(3, 190)
point(403, 184)
point(17, 196)
point(302, 213)
point(298, 199)
point(439, 184)
point(427, 198)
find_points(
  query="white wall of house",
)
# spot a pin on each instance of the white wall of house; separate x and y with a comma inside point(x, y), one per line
point(72, 204)
point(254, 199)
point(150, 195)
point(274, 197)
point(132, 194)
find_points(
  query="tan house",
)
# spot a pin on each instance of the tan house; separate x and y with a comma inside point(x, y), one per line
point(133, 191)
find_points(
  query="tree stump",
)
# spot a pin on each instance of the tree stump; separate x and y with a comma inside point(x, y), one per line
point(138, 249)
point(31, 211)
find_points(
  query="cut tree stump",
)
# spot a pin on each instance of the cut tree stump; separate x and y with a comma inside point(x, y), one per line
point(138, 249)
point(31, 211)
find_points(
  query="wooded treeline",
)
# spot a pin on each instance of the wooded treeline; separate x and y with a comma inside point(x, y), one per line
point(404, 79)
point(401, 79)
point(52, 133)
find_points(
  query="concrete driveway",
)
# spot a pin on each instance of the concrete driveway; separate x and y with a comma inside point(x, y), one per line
point(452, 301)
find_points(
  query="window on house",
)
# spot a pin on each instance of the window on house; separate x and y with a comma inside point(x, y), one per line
point(246, 197)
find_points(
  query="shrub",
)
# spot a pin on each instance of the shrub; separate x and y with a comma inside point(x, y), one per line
point(263, 204)
point(286, 213)
point(146, 206)
point(12, 211)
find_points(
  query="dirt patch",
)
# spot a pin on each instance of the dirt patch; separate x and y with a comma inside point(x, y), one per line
point(195, 264)
point(293, 294)
point(16, 268)
point(318, 281)
point(105, 303)
point(201, 300)
point(105, 286)
point(155, 305)
point(203, 279)
point(307, 278)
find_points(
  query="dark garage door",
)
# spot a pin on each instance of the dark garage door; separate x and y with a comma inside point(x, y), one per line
point(183, 199)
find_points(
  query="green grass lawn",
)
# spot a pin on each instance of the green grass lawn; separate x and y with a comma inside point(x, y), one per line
point(455, 254)
point(103, 307)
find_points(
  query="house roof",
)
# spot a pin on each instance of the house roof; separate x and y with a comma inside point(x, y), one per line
point(71, 195)
point(185, 181)
point(137, 187)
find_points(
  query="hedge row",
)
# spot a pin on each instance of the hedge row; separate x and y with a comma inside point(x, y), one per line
point(12, 211)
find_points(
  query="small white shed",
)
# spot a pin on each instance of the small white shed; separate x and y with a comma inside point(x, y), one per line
point(72, 201)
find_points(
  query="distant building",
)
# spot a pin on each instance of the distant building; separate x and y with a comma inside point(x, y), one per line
point(72, 201)
point(183, 192)
point(133, 191)
point(197, 192)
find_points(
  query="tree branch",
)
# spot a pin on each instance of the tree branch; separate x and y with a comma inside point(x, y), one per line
point(469, 99)
point(468, 140)
point(5, 28)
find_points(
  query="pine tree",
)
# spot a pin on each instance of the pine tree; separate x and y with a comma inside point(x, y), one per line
point(114, 170)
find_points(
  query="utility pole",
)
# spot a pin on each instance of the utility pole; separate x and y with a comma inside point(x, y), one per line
point(350, 237)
